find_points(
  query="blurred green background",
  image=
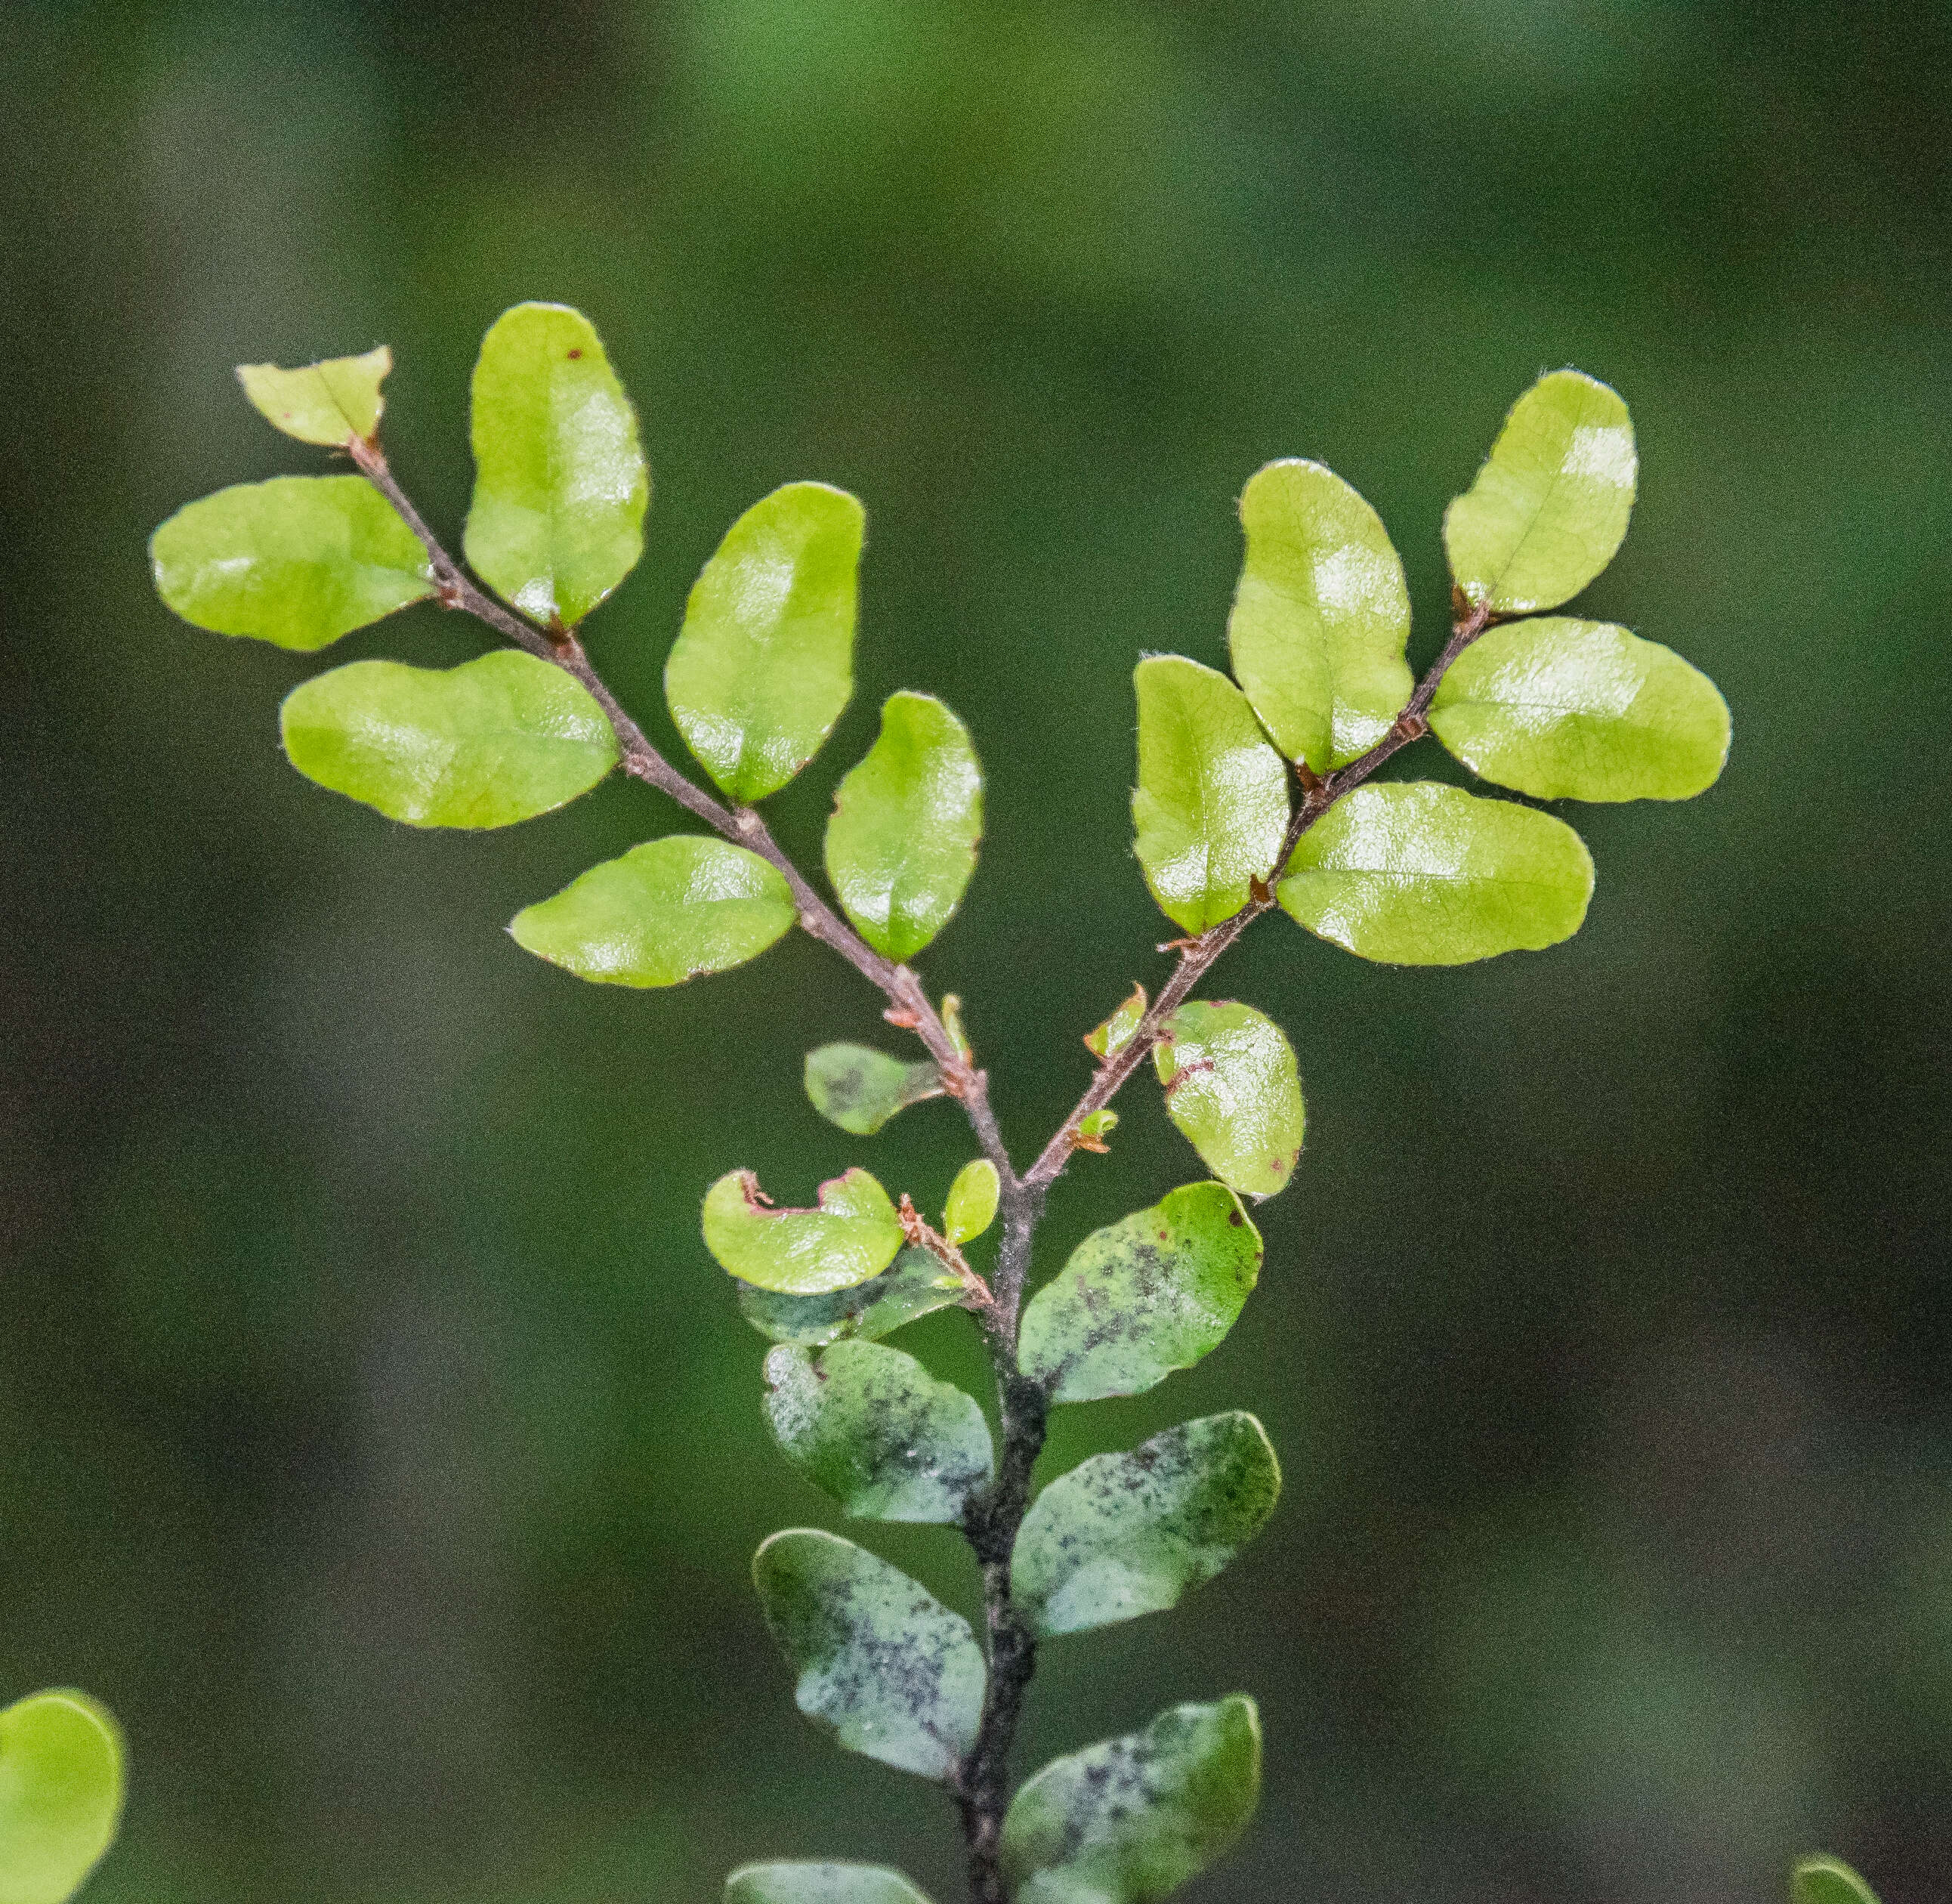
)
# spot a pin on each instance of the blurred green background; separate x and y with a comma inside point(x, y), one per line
point(375, 1433)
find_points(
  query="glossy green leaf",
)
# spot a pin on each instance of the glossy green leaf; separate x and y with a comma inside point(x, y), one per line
point(561, 484)
point(810, 1883)
point(299, 561)
point(873, 1428)
point(1121, 1535)
point(1108, 1040)
point(860, 1088)
point(917, 1285)
point(1321, 615)
point(902, 843)
point(972, 1207)
point(1232, 1088)
point(330, 402)
point(1414, 873)
point(1822, 1878)
point(852, 1233)
point(1549, 506)
point(667, 911)
point(1211, 802)
point(1563, 710)
point(61, 1794)
point(1152, 1293)
point(764, 663)
point(1131, 1820)
point(499, 739)
point(881, 1662)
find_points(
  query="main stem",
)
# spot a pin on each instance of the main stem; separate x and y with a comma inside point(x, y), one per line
point(993, 1518)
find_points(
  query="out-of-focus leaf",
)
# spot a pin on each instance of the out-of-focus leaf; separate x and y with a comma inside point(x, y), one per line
point(852, 1234)
point(1549, 507)
point(881, 1662)
point(764, 663)
point(860, 1088)
point(873, 1428)
point(952, 1023)
point(1108, 1040)
point(1121, 1535)
point(1822, 1878)
point(1148, 1295)
point(1232, 1088)
point(917, 1285)
point(1321, 615)
point(1211, 801)
point(499, 739)
point(330, 402)
point(61, 1794)
point(298, 561)
point(809, 1883)
point(1418, 874)
point(1131, 1820)
point(972, 1207)
point(902, 843)
point(1563, 710)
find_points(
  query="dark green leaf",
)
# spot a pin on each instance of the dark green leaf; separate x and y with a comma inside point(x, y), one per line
point(973, 1197)
point(331, 402)
point(1108, 1040)
point(61, 1794)
point(1231, 1087)
point(917, 1285)
point(860, 1088)
point(852, 1235)
point(804, 1884)
point(1824, 1880)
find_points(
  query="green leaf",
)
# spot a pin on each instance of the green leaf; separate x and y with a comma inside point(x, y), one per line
point(560, 485)
point(1121, 1535)
point(860, 1088)
point(499, 739)
point(807, 1883)
point(1413, 873)
point(764, 663)
point(330, 402)
point(1231, 1087)
point(1563, 710)
point(1108, 1040)
point(902, 843)
point(873, 1428)
point(1821, 1879)
point(61, 1794)
point(917, 1285)
point(952, 1023)
point(1211, 802)
point(1131, 1820)
point(972, 1207)
point(1148, 1295)
point(1549, 506)
point(890, 1670)
point(299, 561)
point(1321, 616)
point(852, 1234)
point(667, 911)
point(1094, 1127)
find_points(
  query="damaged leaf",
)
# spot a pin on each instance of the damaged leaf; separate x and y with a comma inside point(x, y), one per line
point(1108, 1040)
point(860, 1088)
point(1232, 1088)
point(811, 1884)
point(852, 1234)
point(917, 1285)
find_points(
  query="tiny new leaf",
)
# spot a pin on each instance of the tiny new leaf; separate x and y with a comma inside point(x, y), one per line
point(1131, 1820)
point(764, 664)
point(870, 1426)
point(298, 561)
point(880, 1661)
point(1108, 1040)
point(812, 1883)
point(331, 402)
point(860, 1088)
point(973, 1197)
point(916, 1285)
point(1232, 1088)
point(561, 484)
point(499, 739)
point(1121, 1535)
point(852, 1234)
point(1821, 1879)
point(61, 1794)
point(1145, 1295)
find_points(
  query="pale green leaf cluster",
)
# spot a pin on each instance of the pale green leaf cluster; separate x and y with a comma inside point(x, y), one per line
point(61, 1794)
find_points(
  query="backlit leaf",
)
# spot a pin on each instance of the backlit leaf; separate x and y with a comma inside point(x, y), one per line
point(61, 1794)
point(860, 1088)
point(810, 1883)
point(972, 1207)
point(917, 1285)
point(1108, 1040)
point(1232, 1088)
point(330, 402)
point(853, 1233)
point(1824, 1880)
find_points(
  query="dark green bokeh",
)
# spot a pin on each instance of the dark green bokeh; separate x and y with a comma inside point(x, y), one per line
point(376, 1436)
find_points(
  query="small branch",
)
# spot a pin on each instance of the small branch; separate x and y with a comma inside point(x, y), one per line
point(923, 1235)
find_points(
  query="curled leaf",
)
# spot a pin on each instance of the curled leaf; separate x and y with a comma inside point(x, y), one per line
point(1108, 1040)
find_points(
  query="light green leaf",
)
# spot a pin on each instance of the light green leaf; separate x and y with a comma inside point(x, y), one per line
point(61, 1794)
point(1822, 1878)
point(1094, 1127)
point(1549, 506)
point(499, 739)
point(917, 1285)
point(330, 402)
point(1152, 1293)
point(764, 663)
point(1321, 616)
point(890, 1670)
point(902, 843)
point(1231, 1087)
point(299, 561)
point(808, 1884)
point(952, 1023)
point(1413, 873)
point(561, 484)
point(1211, 801)
point(873, 1428)
point(972, 1207)
point(1121, 1535)
point(852, 1234)
point(860, 1088)
point(1563, 710)
point(1131, 1820)
point(667, 911)
point(1108, 1040)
